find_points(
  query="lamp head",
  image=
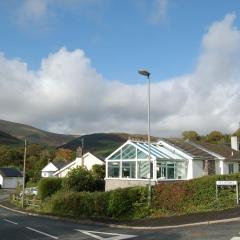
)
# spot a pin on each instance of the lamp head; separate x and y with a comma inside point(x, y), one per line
point(144, 72)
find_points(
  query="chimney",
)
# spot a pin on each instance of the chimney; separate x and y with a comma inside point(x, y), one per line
point(235, 143)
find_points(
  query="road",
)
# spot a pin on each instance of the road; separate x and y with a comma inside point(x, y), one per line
point(23, 227)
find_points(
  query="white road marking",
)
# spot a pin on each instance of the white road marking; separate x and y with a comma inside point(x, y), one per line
point(43, 233)
point(6, 220)
point(235, 238)
point(114, 236)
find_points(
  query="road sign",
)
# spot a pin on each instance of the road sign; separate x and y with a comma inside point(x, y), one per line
point(226, 183)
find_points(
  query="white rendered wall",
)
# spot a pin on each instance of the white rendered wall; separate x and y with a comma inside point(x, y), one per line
point(11, 182)
point(190, 169)
point(47, 173)
point(91, 160)
point(219, 167)
point(197, 166)
point(1, 180)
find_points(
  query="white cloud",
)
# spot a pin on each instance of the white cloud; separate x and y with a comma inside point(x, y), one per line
point(158, 11)
point(68, 95)
point(39, 12)
point(32, 11)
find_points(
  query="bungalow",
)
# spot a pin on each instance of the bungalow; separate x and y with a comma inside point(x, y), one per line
point(10, 178)
point(52, 167)
point(171, 159)
point(87, 160)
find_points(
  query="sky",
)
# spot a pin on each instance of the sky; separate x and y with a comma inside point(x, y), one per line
point(70, 66)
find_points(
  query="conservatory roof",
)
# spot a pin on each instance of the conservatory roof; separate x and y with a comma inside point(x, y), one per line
point(158, 151)
point(138, 149)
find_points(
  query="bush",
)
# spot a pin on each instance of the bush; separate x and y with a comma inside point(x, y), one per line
point(48, 186)
point(80, 179)
point(78, 204)
point(191, 196)
point(121, 203)
point(127, 201)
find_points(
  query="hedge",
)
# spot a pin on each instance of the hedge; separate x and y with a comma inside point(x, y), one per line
point(192, 196)
point(121, 203)
point(48, 186)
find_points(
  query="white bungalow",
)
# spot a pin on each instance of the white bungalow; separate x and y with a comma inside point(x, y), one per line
point(87, 160)
point(171, 160)
point(52, 167)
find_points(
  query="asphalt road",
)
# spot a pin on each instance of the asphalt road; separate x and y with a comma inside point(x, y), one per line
point(23, 227)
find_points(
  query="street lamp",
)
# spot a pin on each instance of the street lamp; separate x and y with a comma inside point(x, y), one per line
point(147, 74)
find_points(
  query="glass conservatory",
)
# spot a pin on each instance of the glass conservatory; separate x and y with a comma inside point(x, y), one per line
point(130, 162)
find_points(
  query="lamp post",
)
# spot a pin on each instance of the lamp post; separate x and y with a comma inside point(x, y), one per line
point(147, 74)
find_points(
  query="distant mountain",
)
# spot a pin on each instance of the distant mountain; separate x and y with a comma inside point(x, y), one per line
point(103, 144)
point(7, 139)
point(34, 135)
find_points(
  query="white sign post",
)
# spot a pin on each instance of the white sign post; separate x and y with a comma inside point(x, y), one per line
point(227, 183)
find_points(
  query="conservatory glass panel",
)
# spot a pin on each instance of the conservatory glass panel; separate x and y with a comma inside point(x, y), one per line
point(128, 152)
point(129, 169)
point(141, 155)
point(113, 169)
point(117, 155)
point(143, 169)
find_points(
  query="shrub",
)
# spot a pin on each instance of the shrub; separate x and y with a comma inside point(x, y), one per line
point(98, 171)
point(48, 186)
point(126, 202)
point(79, 179)
point(193, 196)
point(78, 204)
point(121, 203)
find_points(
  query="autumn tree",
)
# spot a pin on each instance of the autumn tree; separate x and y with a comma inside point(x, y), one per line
point(64, 154)
point(190, 135)
point(215, 137)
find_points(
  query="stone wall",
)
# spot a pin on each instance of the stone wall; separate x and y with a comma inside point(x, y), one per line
point(111, 184)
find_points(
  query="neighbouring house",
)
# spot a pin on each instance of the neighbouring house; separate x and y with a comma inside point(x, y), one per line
point(87, 160)
point(171, 160)
point(52, 167)
point(10, 178)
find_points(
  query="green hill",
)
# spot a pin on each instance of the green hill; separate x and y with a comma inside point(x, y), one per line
point(7, 139)
point(103, 144)
point(34, 135)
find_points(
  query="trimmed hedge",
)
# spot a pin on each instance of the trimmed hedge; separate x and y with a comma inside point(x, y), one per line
point(48, 186)
point(191, 196)
point(120, 203)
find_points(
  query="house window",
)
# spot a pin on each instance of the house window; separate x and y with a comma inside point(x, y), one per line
point(113, 169)
point(171, 170)
point(129, 169)
point(166, 170)
point(230, 168)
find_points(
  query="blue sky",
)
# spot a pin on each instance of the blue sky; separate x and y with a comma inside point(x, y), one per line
point(118, 38)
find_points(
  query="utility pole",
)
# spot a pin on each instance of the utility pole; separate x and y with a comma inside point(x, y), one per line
point(24, 172)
